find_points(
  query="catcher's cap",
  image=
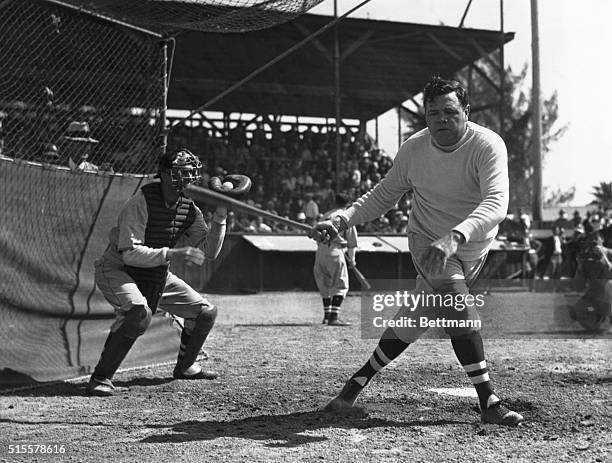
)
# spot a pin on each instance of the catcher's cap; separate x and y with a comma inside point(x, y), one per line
point(79, 131)
point(178, 158)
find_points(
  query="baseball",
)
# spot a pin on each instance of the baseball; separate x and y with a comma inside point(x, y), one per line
point(228, 186)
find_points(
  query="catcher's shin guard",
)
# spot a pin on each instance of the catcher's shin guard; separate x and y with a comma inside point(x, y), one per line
point(119, 343)
point(193, 340)
point(116, 348)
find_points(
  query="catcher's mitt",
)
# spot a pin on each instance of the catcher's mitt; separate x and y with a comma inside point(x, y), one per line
point(241, 184)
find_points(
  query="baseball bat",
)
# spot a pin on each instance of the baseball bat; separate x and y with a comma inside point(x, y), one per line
point(209, 196)
point(365, 284)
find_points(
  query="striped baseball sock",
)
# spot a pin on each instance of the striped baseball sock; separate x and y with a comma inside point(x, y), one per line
point(388, 349)
point(470, 352)
point(336, 302)
point(326, 307)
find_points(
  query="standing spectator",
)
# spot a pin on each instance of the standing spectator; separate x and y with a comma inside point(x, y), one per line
point(311, 209)
point(576, 218)
point(562, 221)
point(533, 250)
point(523, 219)
point(556, 260)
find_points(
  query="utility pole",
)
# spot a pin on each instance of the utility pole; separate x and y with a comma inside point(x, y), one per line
point(536, 102)
point(337, 99)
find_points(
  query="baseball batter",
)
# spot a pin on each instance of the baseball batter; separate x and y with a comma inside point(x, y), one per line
point(458, 173)
point(133, 272)
point(331, 266)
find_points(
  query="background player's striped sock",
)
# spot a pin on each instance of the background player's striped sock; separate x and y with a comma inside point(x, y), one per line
point(388, 349)
point(470, 352)
point(336, 302)
point(326, 308)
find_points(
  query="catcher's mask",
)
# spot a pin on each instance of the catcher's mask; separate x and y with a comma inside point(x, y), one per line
point(183, 166)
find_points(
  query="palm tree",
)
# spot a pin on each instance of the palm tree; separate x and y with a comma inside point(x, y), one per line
point(603, 195)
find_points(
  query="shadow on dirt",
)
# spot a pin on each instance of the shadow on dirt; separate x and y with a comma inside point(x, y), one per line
point(145, 382)
point(58, 423)
point(65, 389)
point(571, 333)
point(273, 325)
point(283, 430)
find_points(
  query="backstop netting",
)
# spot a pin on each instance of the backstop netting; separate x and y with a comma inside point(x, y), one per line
point(62, 66)
point(101, 67)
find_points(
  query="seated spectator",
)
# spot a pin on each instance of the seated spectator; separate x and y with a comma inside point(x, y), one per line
point(78, 146)
point(403, 225)
point(260, 226)
point(231, 223)
point(301, 218)
point(49, 154)
point(246, 226)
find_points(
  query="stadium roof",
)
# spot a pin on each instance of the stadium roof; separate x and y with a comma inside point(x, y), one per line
point(383, 64)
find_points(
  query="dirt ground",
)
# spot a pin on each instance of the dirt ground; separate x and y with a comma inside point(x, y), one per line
point(279, 367)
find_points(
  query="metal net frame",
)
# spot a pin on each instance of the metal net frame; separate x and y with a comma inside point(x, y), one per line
point(173, 16)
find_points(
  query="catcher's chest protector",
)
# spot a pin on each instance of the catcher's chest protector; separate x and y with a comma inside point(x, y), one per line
point(165, 226)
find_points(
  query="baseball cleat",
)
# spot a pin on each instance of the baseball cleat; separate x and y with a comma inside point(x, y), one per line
point(340, 406)
point(344, 402)
point(498, 414)
point(100, 387)
point(198, 373)
point(338, 322)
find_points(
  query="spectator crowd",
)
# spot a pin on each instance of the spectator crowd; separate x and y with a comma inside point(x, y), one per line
point(294, 171)
point(555, 256)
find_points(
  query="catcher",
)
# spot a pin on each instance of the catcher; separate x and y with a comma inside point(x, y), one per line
point(330, 267)
point(133, 272)
point(595, 271)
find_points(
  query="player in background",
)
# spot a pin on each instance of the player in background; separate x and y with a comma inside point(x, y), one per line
point(458, 172)
point(133, 272)
point(331, 266)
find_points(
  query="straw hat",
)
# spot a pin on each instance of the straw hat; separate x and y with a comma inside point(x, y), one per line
point(79, 131)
